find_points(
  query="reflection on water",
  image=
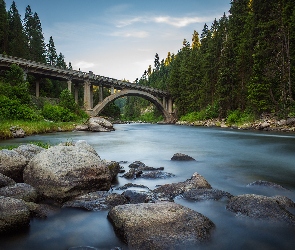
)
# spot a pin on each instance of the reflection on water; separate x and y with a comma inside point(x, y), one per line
point(228, 159)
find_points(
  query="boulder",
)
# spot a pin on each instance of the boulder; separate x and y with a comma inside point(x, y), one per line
point(28, 150)
point(99, 124)
point(5, 181)
point(63, 172)
point(137, 164)
point(182, 157)
point(17, 132)
point(171, 190)
point(12, 164)
point(262, 207)
point(134, 196)
point(163, 225)
point(14, 214)
point(41, 210)
point(114, 168)
point(205, 194)
point(20, 191)
point(96, 201)
point(83, 127)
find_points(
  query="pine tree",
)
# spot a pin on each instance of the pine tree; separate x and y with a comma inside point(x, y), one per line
point(3, 27)
point(34, 35)
point(60, 61)
point(51, 55)
point(17, 45)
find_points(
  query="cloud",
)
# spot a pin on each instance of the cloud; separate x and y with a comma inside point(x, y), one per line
point(178, 22)
point(138, 34)
point(84, 65)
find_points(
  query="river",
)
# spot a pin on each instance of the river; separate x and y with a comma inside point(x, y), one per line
point(228, 159)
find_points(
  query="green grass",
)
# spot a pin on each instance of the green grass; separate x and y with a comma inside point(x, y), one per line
point(34, 127)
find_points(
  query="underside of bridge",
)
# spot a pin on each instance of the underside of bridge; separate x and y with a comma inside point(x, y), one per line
point(165, 107)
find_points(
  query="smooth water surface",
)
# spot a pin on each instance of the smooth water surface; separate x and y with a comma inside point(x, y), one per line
point(228, 159)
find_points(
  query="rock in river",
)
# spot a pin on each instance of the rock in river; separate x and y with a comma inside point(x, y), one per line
point(197, 181)
point(262, 207)
point(163, 225)
point(63, 172)
point(14, 214)
point(182, 157)
point(12, 164)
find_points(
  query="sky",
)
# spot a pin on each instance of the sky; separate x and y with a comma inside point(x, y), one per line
point(119, 38)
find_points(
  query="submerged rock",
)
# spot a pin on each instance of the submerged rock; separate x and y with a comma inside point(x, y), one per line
point(182, 157)
point(262, 207)
point(14, 214)
point(163, 225)
point(96, 201)
point(156, 175)
point(205, 194)
point(265, 184)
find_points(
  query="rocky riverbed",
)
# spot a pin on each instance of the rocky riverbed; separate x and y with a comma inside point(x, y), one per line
point(35, 182)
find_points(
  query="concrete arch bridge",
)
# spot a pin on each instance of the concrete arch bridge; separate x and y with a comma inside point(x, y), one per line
point(161, 99)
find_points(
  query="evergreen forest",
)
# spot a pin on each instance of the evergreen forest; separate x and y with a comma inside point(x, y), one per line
point(241, 65)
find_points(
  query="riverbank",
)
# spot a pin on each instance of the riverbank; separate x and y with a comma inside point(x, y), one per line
point(33, 127)
point(266, 123)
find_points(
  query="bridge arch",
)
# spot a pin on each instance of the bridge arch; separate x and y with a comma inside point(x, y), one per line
point(169, 118)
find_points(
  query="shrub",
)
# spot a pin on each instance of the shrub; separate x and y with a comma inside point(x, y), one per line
point(14, 110)
point(57, 113)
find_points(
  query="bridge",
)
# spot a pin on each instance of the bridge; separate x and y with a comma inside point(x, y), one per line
point(161, 99)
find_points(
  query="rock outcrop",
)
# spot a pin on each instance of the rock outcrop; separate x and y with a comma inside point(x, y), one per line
point(205, 194)
point(63, 172)
point(163, 225)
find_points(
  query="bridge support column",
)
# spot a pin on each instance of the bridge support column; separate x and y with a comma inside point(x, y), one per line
point(91, 96)
point(37, 88)
point(87, 95)
point(100, 97)
point(69, 85)
point(112, 90)
point(76, 89)
point(164, 102)
point(170, 105)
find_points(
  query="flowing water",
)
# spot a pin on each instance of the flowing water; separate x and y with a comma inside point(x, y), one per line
point(228, 159)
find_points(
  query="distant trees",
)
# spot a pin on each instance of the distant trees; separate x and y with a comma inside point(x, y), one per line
point(244, 61)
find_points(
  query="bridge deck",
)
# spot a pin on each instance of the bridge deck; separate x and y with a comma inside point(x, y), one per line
point(47, 71)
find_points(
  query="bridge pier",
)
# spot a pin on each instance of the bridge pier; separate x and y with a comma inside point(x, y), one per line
point(100, 97)
point(69, 85)
point(170, 105)
point(88, 88)
point(76, 90)
point(37, 88)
